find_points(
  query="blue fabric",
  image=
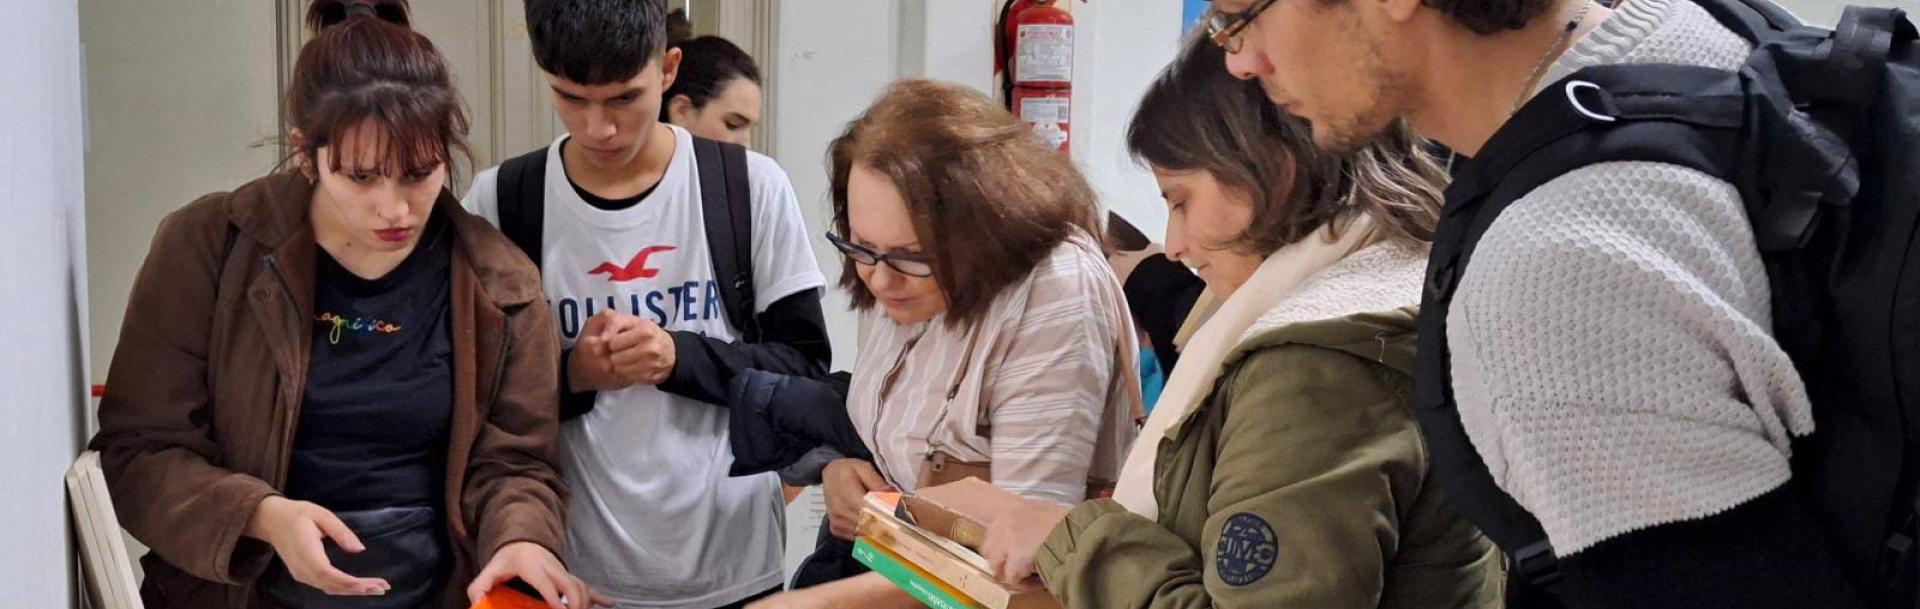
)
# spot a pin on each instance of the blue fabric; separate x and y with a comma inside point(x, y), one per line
point(1190, 14)
point(1152, 379)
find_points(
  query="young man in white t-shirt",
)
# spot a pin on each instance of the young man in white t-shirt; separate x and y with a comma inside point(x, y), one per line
point(654, 520)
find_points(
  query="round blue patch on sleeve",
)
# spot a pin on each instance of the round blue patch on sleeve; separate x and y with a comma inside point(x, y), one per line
point(1247, 551)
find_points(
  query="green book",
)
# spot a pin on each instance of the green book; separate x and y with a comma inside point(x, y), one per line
point(924, 588)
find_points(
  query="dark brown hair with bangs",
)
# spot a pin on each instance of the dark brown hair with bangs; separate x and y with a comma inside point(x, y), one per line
point(988, 199)
point(365, 63)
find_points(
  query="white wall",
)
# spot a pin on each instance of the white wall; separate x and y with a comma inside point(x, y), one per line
point(42, 241)
point(1121, 46)
point(831, 60)
point(947, 40)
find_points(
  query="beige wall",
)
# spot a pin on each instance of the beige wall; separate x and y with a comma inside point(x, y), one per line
point(173, 113)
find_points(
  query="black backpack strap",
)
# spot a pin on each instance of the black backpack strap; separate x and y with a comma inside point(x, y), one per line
point(1791, 131)
point(726, 201)
point(521, 199)
point(1671, 114)
point(1844, 94)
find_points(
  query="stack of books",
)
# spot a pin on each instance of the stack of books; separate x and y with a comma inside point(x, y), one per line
point(926, 545)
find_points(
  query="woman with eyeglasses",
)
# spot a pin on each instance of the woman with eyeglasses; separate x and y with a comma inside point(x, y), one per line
point(994, 339)
point(1282, 466)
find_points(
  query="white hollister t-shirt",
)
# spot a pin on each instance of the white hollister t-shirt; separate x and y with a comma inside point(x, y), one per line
point(655, 521)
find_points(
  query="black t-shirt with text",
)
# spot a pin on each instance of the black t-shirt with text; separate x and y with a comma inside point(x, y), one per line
point(378, 408)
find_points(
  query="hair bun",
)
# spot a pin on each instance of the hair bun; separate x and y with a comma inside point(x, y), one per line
point(679, 28)
point(324, 14)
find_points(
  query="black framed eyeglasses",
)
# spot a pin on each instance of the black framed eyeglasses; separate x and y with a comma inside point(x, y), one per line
point(1225, 28)
point(905, 263)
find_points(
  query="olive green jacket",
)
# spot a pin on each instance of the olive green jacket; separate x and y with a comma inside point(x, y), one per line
point(1300, 481)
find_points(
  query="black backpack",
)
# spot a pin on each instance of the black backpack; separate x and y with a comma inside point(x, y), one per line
point(726, 201)
point(1820, 134)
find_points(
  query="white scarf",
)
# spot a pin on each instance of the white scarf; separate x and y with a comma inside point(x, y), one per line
point(1200, 362)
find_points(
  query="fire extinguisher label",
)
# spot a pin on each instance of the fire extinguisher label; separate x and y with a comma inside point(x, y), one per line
point(1045, 53)
point(1049, 117)
point(1045, 109)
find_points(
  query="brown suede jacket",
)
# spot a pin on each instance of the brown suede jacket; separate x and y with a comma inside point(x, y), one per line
point(205, 388)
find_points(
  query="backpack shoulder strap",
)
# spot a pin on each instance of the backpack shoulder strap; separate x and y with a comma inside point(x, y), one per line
point(726, 202)
point(1572, 124)
point(1783, 131)
point(522, 201)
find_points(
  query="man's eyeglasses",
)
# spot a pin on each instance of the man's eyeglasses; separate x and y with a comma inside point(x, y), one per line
point(905, 263)
point(1225, 28)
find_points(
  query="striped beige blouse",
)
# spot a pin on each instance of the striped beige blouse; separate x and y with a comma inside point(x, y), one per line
point(1045, 387)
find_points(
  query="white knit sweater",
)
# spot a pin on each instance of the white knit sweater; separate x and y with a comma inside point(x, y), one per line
point(1612, 353)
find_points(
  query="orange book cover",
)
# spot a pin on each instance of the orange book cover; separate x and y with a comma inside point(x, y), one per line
point(503, 597)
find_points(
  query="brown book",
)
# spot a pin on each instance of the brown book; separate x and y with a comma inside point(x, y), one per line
point(953, 565)
point(960, 510)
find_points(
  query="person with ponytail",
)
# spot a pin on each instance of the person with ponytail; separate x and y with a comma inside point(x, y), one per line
point(717, 92)
point(335, 388)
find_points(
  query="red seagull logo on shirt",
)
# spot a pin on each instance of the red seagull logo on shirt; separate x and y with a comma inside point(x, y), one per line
point(635, 268)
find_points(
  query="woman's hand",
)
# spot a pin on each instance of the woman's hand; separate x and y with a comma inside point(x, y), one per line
point(845, 483)
point(298, 531)
point(534, 564)
point(1014, 537)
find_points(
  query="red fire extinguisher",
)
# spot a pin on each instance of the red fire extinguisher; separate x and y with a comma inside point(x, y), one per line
point(1003, 40)
point(1040, 65)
